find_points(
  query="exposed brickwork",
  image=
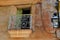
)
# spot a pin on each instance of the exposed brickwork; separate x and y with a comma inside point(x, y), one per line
point(47, 21)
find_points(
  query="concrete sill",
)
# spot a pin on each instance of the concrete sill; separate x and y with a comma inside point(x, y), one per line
point(20, 33)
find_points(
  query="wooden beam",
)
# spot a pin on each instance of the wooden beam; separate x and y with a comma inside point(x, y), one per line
point(23, 6)
point(18, 2)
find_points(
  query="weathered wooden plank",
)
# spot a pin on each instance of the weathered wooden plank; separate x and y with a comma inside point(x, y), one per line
point(18, 2)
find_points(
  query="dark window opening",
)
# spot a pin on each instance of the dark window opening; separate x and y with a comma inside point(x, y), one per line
point(21, 20)
point(25, 22)
point(25, 18)
point(26, 10)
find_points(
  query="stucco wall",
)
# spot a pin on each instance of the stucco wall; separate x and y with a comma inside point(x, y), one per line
point(5, 13)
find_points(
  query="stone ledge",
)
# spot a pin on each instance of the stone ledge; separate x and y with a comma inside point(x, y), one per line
point(20, 33)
